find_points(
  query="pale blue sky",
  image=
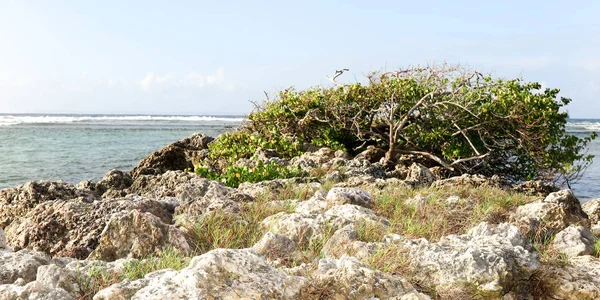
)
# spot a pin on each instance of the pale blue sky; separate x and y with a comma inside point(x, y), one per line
point(212, 57)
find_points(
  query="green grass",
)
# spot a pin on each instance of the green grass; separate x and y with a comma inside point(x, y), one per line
point(168, 259)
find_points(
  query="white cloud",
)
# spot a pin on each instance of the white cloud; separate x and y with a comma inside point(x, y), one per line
point(192, 79)
point(589, 64)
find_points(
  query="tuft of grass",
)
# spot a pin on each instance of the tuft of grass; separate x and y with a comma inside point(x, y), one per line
point(92, 281)
point(435, 218)
point(311, 246)
point(597, 248)
point(221, 230)
point(393, 259)
point(370, 232)
point(168, 259)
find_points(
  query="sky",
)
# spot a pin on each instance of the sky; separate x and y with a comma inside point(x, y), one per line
point(215, 57)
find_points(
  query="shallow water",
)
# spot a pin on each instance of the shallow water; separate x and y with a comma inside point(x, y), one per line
point(74, 148)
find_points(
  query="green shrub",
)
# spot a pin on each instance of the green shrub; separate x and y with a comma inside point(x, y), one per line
point(233, 175)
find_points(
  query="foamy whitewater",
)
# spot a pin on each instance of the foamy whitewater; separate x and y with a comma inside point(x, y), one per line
point(79, 147)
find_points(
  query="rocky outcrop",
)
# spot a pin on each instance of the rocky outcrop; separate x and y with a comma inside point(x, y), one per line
point(578, 280)
point(218, 274)
point(242, 274)
point(574, 241)
point(493, 260)
point(138, 235)
point(371, 154)
point(469, 180)
point(71, 228)
point(16, 202)
point(349, 278)
point(180, 155)
point(554, 213)
point(309, 228)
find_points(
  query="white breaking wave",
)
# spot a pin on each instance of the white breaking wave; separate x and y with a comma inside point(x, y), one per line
point(9, 120)
point(584, 125)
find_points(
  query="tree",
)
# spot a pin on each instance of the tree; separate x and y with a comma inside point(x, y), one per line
point(462, 120)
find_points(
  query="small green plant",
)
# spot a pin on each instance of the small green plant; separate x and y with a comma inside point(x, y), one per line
point(92, 281)
point(233, 175)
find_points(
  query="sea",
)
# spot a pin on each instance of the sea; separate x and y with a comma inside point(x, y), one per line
point(73, 148)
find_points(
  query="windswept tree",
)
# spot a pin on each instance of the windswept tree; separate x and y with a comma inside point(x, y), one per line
point(463, 120)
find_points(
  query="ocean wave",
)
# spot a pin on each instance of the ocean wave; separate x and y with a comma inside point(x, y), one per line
point(10, 120)
point(584, 125)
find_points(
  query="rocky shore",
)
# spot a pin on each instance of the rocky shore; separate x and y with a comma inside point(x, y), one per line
point(347, 232)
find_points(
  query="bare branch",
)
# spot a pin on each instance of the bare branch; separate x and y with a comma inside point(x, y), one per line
point(336, 75)
point(458, 161)
point(430, 156)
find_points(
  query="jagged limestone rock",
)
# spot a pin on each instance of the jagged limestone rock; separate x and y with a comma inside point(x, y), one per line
point(339, 196)
point(556, 212)
point(218, 274)
point(493, 260)
point(138, 235)
point(574, 241)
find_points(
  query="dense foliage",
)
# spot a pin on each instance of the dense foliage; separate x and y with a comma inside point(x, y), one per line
point(229, 148)
point(461, 120)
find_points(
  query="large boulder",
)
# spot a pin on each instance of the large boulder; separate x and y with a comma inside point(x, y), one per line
point(574, 241)
point(137, 235)
point(242, 274)
point(71, 228)
point(218, 274)
point(554, 213)
point(179, 155)
point(493, 260)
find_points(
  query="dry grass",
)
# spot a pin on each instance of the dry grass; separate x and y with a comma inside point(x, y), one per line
point(221, 230)
point(435, 218)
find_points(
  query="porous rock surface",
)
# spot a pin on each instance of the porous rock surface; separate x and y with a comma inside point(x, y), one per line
point(136, 234)
point(492, 259)
point(579, 279)
point(574, 241)
point(71, 228)
point(555, 212)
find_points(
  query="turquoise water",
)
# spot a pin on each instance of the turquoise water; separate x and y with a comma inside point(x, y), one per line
point(74, 148)
point(79, 147)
